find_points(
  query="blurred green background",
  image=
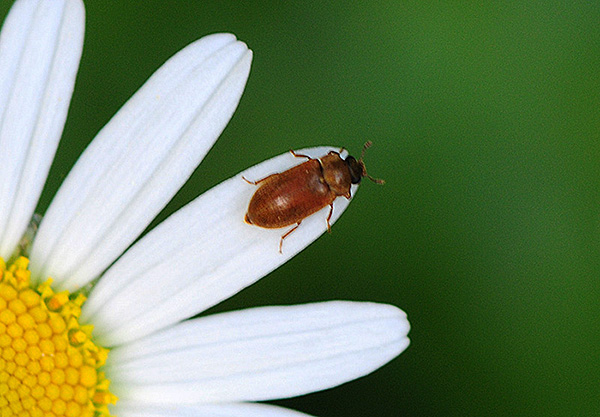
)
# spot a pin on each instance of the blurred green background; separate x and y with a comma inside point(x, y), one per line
point(485, 120)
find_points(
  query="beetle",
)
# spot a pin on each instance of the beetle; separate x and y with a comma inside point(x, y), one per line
point(288, 197)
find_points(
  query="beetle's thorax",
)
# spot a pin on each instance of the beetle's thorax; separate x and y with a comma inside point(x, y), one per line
point(336, 174)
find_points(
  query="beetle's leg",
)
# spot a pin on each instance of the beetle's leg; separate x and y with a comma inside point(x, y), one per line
point(286, 235)
point(299, 155)
point(258, 181)
point(329, 218)
point(248, 181)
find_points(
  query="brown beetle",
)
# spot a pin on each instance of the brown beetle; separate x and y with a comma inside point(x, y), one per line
point(289, 197)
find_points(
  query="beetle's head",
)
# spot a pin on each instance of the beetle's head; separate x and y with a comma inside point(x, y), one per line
point(357, 167)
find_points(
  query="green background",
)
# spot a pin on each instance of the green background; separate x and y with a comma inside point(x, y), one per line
point(485, 120)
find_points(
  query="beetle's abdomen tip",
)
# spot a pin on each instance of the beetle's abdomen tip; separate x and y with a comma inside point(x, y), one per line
point(247, 219)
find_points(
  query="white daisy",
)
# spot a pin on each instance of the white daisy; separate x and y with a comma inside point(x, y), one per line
point(126, 347)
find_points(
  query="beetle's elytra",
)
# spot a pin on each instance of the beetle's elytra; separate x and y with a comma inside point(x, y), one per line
point(287, 198)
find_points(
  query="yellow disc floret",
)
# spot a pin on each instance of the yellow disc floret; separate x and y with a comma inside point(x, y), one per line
point(49, 364)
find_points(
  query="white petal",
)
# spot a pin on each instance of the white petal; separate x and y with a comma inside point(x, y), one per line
point(259, 354)
point(198, 257)
point(40, 48)
point(141, 409)
point(140, 159)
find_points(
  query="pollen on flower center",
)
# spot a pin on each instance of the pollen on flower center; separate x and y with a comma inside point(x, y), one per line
point(49, 365)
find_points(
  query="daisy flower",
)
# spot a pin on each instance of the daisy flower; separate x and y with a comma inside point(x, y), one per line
point(91, 325)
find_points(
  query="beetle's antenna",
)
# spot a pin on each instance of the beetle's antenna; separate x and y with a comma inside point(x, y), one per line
point(375, 180)
point(366, 146)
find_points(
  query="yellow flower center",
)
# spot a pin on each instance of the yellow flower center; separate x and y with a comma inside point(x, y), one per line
point(49, 365)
